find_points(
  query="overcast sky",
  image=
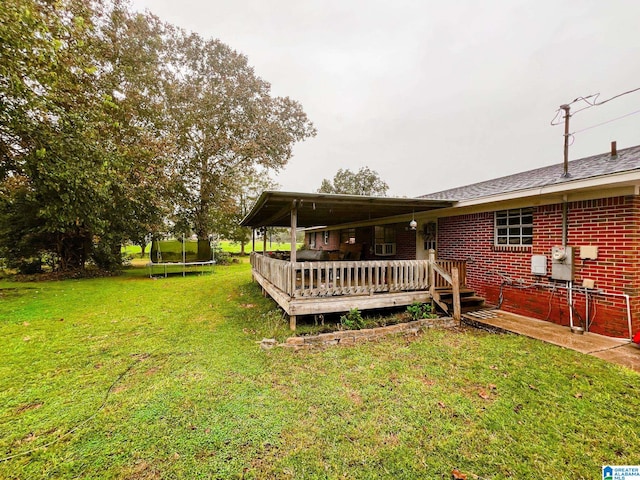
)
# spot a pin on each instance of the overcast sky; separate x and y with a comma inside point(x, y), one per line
point(434, 94)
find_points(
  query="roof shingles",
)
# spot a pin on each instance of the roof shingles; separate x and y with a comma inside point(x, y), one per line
point(581, 169)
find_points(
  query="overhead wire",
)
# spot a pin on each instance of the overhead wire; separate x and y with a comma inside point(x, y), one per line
point(590, 103)
point(595, 103)
point(605, 122)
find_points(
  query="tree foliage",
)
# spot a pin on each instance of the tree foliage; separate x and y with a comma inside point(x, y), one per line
point(363, 182)
point(52, 115)
point(112, 122)
point(228, 129)
point(248, 189)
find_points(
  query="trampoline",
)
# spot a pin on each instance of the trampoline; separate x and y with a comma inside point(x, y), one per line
point(188, 254)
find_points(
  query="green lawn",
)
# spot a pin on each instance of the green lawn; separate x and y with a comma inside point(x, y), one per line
point(189, 393)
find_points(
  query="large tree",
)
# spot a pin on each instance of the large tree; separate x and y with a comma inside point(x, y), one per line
point(111, 122)
point(132, 60)
point(228, 126)
point(74, 158)
point(363, 182)
point(51, 112)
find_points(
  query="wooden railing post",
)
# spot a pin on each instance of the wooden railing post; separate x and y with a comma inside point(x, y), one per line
point(294, 227)
point(455, 287)
point(293, 278)
point(432, 271)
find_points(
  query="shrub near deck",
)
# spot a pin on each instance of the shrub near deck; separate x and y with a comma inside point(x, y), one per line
point(200, 399)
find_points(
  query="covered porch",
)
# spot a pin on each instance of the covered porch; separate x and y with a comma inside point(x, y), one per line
point(319, 287)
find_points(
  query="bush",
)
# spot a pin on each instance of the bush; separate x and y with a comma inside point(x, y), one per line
point(418, 311)
point(221, 257)
point(352, 320)
point(107, 257)
point(30, 266)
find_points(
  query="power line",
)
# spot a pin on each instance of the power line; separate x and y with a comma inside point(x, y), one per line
point(590, 103)
point(596, 103)
point(605, 122)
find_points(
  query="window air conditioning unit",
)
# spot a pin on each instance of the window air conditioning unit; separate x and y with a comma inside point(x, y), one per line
point(385, 249)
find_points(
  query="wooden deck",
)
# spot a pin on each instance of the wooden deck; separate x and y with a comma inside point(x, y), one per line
point(310, 288)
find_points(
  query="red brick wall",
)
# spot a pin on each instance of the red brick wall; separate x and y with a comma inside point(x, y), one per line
point(333, 243)
point(612, 224)
point(405, 243)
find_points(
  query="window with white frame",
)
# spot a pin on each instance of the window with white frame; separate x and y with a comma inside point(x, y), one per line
point(514, 227)
point(385, 241)
point(312, 240)
point(325, 237)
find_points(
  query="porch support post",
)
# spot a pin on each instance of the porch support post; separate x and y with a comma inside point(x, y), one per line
point(455, 287)
point(264, 240)
point(294, 226)
point(253, 239)
point(292, 322)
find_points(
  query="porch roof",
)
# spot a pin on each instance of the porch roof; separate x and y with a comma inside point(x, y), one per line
point(273, 208)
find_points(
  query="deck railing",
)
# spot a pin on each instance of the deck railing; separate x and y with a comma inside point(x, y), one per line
point(447, 266)
point(323, 279)
point(320, 279)
point(278, 272)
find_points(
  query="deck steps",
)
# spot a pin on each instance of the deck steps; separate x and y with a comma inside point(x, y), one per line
point(469, 301)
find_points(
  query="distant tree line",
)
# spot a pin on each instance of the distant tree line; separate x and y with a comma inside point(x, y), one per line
point(114, 124)
point(363, 182)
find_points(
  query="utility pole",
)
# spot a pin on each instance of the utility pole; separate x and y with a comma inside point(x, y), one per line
point(567, 115)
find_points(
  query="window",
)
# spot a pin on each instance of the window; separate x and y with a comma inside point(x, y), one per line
point(312, 240)
point(514, 227)
point(385, 241)
point(430, 235)
point(348, 235)
point(325, 237)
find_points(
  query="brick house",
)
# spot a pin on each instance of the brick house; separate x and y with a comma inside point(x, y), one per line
point(538, 243)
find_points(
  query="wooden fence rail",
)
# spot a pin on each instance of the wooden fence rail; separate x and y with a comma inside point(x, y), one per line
point(278, 272)
point(322, 279)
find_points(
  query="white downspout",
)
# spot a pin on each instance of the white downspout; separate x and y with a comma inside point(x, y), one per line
point(626, 297)
point(571, 304)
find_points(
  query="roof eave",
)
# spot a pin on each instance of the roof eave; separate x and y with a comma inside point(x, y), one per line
point(630, 178)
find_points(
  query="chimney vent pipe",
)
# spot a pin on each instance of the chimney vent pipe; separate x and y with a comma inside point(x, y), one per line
point(614, 149)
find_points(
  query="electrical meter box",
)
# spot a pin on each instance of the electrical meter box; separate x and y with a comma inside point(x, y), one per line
point(562, 263)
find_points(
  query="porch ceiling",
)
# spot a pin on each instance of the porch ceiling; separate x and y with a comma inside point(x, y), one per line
point(273, 209)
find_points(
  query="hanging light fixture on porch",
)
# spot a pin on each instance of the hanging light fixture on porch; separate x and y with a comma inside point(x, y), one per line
point(413, 224)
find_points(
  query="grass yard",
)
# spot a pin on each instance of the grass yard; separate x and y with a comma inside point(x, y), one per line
point(186, 392)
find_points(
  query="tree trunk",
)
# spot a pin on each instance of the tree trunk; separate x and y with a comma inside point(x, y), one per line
point(204, 250)
point(73, 250)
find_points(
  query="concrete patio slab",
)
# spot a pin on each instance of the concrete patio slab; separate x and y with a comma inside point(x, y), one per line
point(615, 350)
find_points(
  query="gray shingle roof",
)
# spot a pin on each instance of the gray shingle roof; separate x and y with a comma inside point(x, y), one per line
point(581, 169)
